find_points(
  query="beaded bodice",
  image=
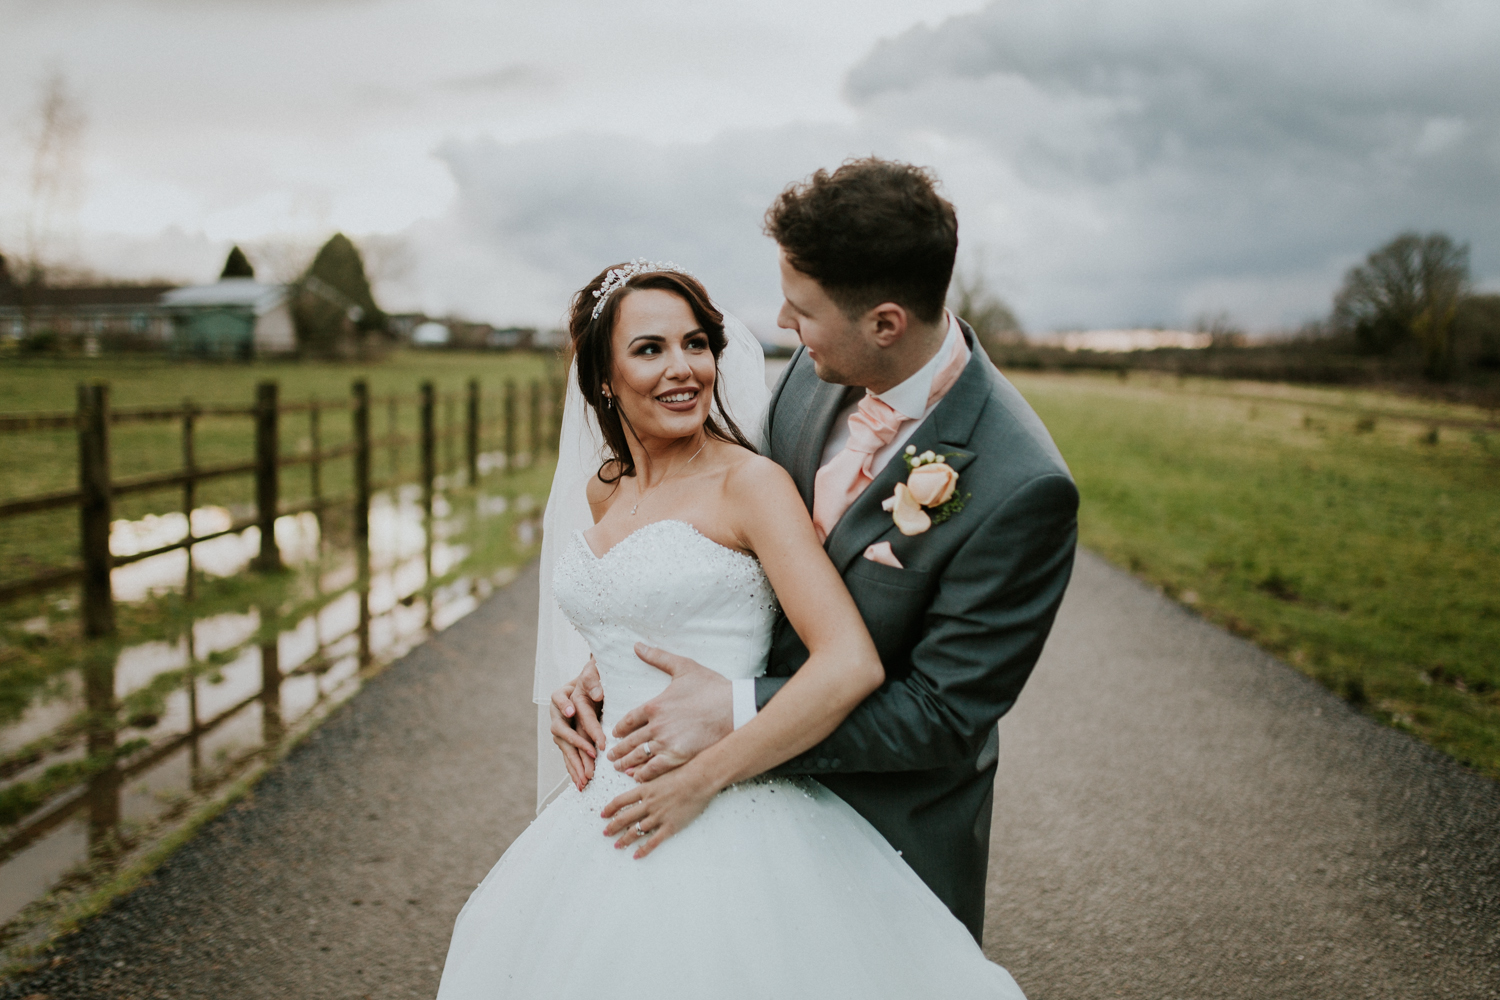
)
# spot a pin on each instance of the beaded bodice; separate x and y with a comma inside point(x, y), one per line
point(671, 587)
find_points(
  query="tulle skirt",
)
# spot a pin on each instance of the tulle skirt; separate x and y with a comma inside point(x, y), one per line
point(778, 890)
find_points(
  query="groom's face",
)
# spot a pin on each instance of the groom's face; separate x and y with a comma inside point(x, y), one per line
point(833, 341)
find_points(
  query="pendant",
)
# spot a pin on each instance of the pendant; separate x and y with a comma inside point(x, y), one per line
point(633, 509)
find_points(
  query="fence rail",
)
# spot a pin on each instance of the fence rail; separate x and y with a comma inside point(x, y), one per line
point(97, 487)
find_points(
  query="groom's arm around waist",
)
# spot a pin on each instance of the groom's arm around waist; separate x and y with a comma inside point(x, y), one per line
point(983, 632)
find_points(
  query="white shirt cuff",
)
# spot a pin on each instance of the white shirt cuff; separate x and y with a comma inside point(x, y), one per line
point(744, 700)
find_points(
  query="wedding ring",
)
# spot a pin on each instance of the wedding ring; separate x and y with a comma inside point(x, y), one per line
point(646, 748)
point(638, 831)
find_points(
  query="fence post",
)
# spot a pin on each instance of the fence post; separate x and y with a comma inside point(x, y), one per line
point(361, 415)
point(472, 437)
point(534, 423)
point(271, 728)
point(559, 398)
point(448, 429)
point(94, 509)
point(510, 426)
point(103, 795)
point(267, 456)
point(189, 488)
point(429, 445)
point(393, 446)
point(315, 463)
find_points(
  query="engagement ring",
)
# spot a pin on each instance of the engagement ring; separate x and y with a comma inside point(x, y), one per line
point(646, 748)
point(638, 831)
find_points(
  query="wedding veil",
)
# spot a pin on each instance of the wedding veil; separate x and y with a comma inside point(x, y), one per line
point(560, 651)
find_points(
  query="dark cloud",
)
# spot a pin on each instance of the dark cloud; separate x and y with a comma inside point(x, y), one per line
point(1113, 161)
point(533, 221)
point(1218, 142)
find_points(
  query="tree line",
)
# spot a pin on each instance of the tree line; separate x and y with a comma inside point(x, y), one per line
point(1408, 314)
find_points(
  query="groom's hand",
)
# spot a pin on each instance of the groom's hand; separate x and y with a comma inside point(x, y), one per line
point(692, 714)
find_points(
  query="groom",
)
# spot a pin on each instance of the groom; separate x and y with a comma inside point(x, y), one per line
point(959, 605)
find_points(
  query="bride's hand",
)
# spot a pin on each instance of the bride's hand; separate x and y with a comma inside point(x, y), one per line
point(657, 809)
point(575, 723)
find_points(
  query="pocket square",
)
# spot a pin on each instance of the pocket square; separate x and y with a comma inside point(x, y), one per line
point(881, 552)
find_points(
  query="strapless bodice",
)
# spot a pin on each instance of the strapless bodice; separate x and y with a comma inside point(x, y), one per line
point(669, 586)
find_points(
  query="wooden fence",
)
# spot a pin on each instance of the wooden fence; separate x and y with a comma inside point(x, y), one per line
point(97, 488)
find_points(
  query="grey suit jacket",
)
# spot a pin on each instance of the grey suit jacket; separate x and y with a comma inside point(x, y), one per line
point(958, 629)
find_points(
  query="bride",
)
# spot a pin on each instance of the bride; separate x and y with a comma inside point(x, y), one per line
point(708, 881)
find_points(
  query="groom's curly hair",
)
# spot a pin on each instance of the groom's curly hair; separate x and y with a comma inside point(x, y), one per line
point(872, 231)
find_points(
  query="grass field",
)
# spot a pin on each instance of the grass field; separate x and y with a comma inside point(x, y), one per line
point(1337, 529)
point(39, 461)
point(1363, 550)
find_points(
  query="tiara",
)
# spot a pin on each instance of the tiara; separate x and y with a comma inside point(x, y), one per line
point(618, 277)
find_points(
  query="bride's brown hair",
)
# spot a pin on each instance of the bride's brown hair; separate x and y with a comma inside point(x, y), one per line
point(591, 340)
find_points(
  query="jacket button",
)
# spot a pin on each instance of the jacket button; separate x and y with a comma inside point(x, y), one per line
point(835, 762)
point(822, 763)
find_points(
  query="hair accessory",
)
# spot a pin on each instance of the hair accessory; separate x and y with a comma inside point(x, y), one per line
point(618, 277)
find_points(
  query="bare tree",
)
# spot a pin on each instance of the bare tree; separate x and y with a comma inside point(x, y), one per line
point(56, 181)
point(1221, 329)
point(992, 320)
point(283, 259)
point(388, 258)
point(1407, 292)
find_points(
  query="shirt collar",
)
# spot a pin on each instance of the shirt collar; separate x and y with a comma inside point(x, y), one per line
point(910, 397)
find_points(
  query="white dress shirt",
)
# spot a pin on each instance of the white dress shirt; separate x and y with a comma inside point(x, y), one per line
point(908, 399)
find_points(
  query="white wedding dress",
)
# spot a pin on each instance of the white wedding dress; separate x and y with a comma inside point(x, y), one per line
point(778, 890)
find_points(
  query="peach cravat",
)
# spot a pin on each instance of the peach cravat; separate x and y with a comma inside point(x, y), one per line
point(873, 425)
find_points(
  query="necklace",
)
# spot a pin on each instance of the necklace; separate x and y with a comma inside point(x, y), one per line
point(666, 477)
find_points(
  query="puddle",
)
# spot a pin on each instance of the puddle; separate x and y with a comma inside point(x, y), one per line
point(116, 744)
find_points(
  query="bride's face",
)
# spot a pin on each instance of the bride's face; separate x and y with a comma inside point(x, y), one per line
point(663, 376)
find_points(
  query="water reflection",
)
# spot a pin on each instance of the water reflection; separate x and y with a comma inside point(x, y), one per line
point(124, 739)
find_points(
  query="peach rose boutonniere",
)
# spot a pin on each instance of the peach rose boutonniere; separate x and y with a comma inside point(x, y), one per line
point(932, 484)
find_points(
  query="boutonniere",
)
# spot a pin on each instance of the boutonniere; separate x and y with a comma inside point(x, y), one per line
point(931, 483)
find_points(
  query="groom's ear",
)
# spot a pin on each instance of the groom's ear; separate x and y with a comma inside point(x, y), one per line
point(887, 323)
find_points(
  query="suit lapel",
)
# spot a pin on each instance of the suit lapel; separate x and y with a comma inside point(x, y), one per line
point(946, 431)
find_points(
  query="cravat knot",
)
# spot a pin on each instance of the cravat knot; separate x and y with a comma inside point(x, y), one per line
point(872, 426)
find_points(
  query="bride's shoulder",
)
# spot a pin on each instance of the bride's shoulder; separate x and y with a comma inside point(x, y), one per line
point(755, 476)
point(601, 493)
point(762, 502)
point(742, 462)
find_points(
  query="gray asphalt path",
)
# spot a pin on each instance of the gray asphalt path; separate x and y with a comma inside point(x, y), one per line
point(1178, 816)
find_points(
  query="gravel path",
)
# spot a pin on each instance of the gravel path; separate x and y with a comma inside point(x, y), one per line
point(1177, 816)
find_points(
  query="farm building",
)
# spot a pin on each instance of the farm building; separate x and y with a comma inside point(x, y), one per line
point(83, 317)
point(231, 318)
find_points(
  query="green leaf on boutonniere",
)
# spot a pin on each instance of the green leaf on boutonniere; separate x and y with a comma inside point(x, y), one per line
point(954, 504)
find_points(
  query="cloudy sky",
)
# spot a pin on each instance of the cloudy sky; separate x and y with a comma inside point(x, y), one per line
point(1114, 162)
